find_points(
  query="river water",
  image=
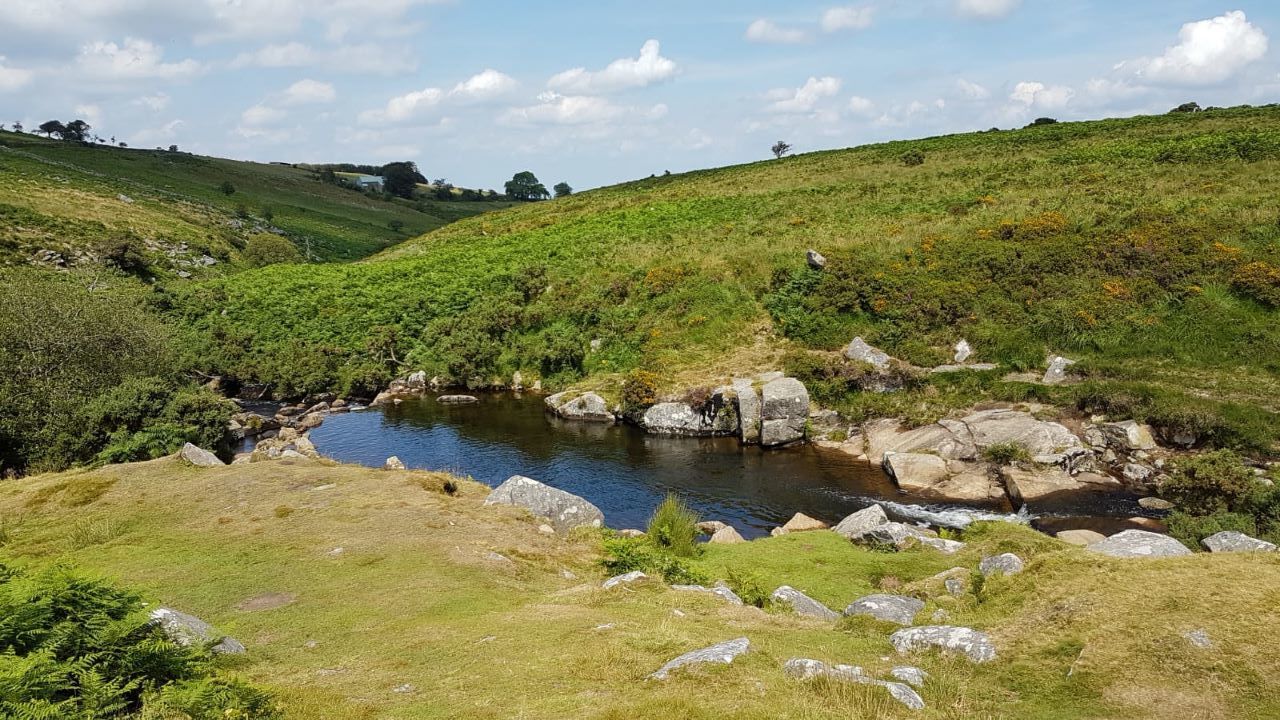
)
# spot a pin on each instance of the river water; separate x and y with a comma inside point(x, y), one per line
point(626, 472)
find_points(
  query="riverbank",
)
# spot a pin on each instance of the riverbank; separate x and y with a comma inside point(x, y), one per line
point(371, 594)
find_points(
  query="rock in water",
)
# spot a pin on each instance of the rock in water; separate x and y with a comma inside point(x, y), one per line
point(1005, 564)
point(566, 511)
point(1231, 541)
point(815, 259)
point(199, 456)
point(711, 527)
point(1139, 543)
point(899, 609)
point(784, 412)
point(855, 526)
point(393, 463)
point(189, 631)
point(803, 604)
point(749, 411)
point(806, 669)
point(588, 407)
point(972, 644)
point(859, 351)
point(1080, 537)
point(916, 472)
point(722, 653)
point(1057, 372)
point(457, 399)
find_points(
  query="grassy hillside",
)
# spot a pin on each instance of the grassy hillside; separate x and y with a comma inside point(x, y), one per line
point(369, 594)
point(1145, 247)
point(75, 199)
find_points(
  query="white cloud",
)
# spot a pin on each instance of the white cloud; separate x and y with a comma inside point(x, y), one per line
point(986, 9)
point(853, 17)
point(90, 113)
point(804, 98)
point(556, 109)
point(621, 74)
point(1208, 52)
point(361, 59)
point(767, 31)
point(486, 85)
point(1104, 92)
point(135, 59)
point(860, 105)
point(293, 54)
point(410, 106)
point(1039, 95)
point(309, 92)
point(260, 115)
point(154, 103)
point(156, 136)
point(972, 90)
point(12, 78)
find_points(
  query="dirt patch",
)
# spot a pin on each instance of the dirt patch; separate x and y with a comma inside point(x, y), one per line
point(270, 601)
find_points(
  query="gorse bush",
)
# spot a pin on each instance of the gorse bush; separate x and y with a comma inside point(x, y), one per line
point(674, 527)
point(72, 647)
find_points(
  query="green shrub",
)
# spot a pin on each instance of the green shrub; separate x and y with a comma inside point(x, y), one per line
point(1215, 482)
point(1006, 453)
point(71, 647)
point(263, 249)
point(624, 555)
point(674, 527)
point(912, 158)
point(749, 585)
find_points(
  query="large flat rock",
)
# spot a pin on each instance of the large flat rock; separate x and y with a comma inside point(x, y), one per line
point(564, 510)
point(1139, 544)
point(975, 645)
point(900, 609)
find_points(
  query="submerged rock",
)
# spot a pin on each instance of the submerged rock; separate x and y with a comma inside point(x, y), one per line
point(802, 604)
point(721, 653)
point(1139, 543)
point(806, 669)
point(457, 399)
point(975, 645)
point(566, 511)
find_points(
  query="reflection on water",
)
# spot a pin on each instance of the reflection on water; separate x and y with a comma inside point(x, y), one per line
point(619, 468)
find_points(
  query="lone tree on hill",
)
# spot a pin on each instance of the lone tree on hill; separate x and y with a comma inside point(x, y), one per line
point(401, 179)
point(780, 148)
point(76, 131)
point(563, 189)
point(52, 127)
point(525, 186)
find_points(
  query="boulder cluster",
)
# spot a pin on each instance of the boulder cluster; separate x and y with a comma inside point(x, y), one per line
point(284, 435)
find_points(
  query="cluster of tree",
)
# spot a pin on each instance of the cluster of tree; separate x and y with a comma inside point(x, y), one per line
point(401, 179)
point(525, 187)
point(75, 131)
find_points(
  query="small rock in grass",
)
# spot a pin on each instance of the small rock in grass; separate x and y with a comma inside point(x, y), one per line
point(624, 579)
point(199, 456)
point(720, 590)
point(721, 653)
point(393, 463)
point(1199, 638)
point(1231, 541)
point(801, 523)
point(1139, 543)
point(806, 669)
point(855, 526)
point(900, 609)
point(726, 536)
point(803, 604)
point(910, 675)
point(975, 645)
point(1005, 564)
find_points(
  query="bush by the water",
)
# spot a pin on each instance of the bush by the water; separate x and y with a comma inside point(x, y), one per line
point(1216, 491)
point(74, 647)
point(674, 527)
point(87, 371)
point(624, 555)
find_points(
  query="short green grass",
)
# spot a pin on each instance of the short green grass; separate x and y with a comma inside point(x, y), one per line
point(414, 618)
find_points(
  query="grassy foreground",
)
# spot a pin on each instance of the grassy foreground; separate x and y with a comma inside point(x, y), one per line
point(414, 618)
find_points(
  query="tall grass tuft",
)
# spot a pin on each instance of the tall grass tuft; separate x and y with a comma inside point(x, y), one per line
point(674, 527)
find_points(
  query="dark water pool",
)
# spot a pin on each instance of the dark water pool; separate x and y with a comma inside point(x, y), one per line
point(626, 472)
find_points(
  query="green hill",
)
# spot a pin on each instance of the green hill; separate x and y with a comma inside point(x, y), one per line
point(65, 203)
point(1146, 248)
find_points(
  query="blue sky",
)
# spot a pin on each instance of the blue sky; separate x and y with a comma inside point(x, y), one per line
point(599, 92)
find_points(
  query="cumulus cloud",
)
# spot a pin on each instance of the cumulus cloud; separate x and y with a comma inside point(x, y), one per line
point(309, 92)
point(485, 85)
point(986, 9)
point(12, 78)
point(1039, 95)
point(972, 90)
point(360, 59)
point(90, 113)
point(1208, 52)
point(135, 59)
point(804, 98)
point(556, 109)
point(261, 115)
point(767, 31)
point(154, 103)
point(621, 74)
point(860, 105)
point(853, 17)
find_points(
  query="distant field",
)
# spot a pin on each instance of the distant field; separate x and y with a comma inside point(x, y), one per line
point(64, 197)
point(1148, 248)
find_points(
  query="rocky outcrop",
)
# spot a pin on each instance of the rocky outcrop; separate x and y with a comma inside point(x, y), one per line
point(858, 524)
point(910, 675)
point(585, 407)
point(565, 511)
point(806, 669)
point(1127, 436)
point(916, 472)
point(976, 646)
point(859, 351)
point(802, 604)
point(747, 402)
point(967, 437)
point(784, 412)
point(930, 476)
point(1229, 541)
point(1139, 543)
point(903, 536)
point(199, 456)
point(1032, 484)
point(721, 653)
point(900, 609)
point(190, 631)
point(1004, 564)
point(717, 416)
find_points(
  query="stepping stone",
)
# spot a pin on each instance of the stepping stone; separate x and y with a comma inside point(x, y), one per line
point(722, 653)
point(802, 604)
point(976, 646)
point(806, 669)
point(900, 609)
